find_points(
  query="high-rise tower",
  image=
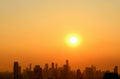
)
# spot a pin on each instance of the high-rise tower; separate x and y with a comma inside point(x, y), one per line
point(16, 70)
point(116, 69)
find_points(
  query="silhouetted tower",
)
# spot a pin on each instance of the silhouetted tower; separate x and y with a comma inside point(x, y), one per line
point(52, 71)
point(56, 71)
point(52, 65)
point(66, 70)
point(89, 73)
point(67, 62)
point(16, 70)
point(37, 72)
point(78, 74)
point(46, 66)
point(46, 71)
point(116, 69)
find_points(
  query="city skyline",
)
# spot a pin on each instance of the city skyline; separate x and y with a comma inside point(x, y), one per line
point(34, 31)
point(54, 71)
point(49, 65)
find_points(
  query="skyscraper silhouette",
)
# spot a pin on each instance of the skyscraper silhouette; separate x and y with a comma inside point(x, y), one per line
point(67, 62)
point(78, 74)
point(52, 65)
point(16, 70)
point(116, 69)
point(37, 72)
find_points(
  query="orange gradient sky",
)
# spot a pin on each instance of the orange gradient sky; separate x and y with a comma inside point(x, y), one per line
point(34, 31)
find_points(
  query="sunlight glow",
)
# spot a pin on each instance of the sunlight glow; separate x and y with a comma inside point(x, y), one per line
point(73, 40)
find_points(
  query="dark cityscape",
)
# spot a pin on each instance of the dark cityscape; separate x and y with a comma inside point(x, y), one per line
point(55, 72)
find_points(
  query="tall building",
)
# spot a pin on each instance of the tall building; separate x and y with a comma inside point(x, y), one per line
point(52, 65)
point(88, 73)
point(116, 69)
point(46, 71)
point(37, 72)
point(52, 71)
point(16, 70)
point(67, 62)
point(46, 67)
point(78, 74)
point(66, 70)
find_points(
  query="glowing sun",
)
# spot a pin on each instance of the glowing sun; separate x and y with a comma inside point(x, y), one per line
point(73, 40)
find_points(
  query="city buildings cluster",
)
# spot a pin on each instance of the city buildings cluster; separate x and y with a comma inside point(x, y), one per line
point(55, 72)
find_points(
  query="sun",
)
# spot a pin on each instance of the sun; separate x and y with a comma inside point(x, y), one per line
point(73, 40)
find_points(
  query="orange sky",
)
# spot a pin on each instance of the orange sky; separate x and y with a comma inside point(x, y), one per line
point(33, 31)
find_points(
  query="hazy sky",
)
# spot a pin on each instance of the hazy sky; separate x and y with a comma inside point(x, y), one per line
point(33, 31)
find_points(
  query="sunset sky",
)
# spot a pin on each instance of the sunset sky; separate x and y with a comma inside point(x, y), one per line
point(34, 31)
